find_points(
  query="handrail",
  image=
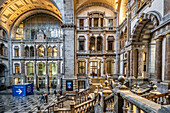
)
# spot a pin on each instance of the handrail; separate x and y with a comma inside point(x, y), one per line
point(157, 95)
point(140, 102)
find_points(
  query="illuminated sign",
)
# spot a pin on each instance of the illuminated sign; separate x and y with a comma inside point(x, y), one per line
point(69, 85)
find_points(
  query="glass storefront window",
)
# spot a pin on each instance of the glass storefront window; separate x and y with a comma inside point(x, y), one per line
point(30, 69)
point(52, 69)
point(41, 69)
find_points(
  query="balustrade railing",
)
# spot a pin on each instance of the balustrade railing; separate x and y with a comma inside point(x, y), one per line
point(135, 103)
point(109, 103)
point(163, 99)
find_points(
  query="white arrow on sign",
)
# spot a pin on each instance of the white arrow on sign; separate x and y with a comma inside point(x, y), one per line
point(19, 91)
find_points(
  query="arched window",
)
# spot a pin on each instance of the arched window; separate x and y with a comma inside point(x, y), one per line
point(99, 43)
point(2, 49)
point(27, 51)
point(49, 51)
point(55, 51)
point(32, 51)
point(16, 68)
point(92, 43)
point(52, 69)
point(41, 51)
point(30, 69)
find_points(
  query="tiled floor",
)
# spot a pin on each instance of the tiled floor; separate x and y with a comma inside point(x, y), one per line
point(10, 104)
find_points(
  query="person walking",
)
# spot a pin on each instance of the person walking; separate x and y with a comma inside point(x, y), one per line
point(42, 99)
point(55, 93)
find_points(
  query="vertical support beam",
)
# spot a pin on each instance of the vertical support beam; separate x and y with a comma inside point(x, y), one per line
point(128, 64)
point(128, 21)
point(167, 60)
point(158, 61)
point(131, 63)
point(135, 63)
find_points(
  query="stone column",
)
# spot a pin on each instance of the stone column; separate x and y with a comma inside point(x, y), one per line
point(158, 61)
point(99, 24)
point(104, 42)
point(104, 66)
point(128, 64)
point(131, 64)
point(135, 63)
point(167, 59)
point(92, 22)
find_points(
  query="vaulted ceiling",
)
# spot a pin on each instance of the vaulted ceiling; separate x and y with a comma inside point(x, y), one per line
point(11, 10)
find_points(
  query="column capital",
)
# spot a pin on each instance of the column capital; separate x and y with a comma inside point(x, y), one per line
point(167, 35)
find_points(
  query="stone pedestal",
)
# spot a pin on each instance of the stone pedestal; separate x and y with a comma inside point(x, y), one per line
point(158, 61)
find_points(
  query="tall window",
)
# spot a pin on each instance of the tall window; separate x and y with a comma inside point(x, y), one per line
point(27, 51)
point(81, 84)
point(101, 22)
point(52, 69)
point(32, 51)
point(2, 49)
point(55, 51)
point(110, 67)
point(90, 22)
point(30, 69)
point(41, 51)
point(81, 45)
point(110, 24)
point(16, 68)
point(110, 45)
point(49, 51)
point(92, 43)
point(96, 22)
point(41, 69)
point(81, 23)
point(81, 67)
point(99, 43)
point(16, 49)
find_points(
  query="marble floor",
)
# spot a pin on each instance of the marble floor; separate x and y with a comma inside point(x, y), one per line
point(28, 104)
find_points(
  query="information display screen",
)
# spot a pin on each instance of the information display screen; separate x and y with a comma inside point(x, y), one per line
point(69, 85)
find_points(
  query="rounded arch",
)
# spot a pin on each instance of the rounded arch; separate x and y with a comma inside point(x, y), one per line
point(92, 43)
point(21, 7)
point(26, 15)
point(151, 19)
point(86, 5)
point(41, 51)
point(50, 50)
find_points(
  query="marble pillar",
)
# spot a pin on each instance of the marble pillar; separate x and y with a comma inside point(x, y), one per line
point(128, 64)
point(167, 60)
point(158, 61)
point(135, 63)
point(131, 63)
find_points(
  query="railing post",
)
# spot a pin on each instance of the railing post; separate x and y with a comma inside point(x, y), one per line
point(137, 110)
point(118, 100)
point(72, 105)
point(130, 108)
point(125, 106)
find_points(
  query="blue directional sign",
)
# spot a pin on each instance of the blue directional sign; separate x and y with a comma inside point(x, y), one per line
point(22, 90)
